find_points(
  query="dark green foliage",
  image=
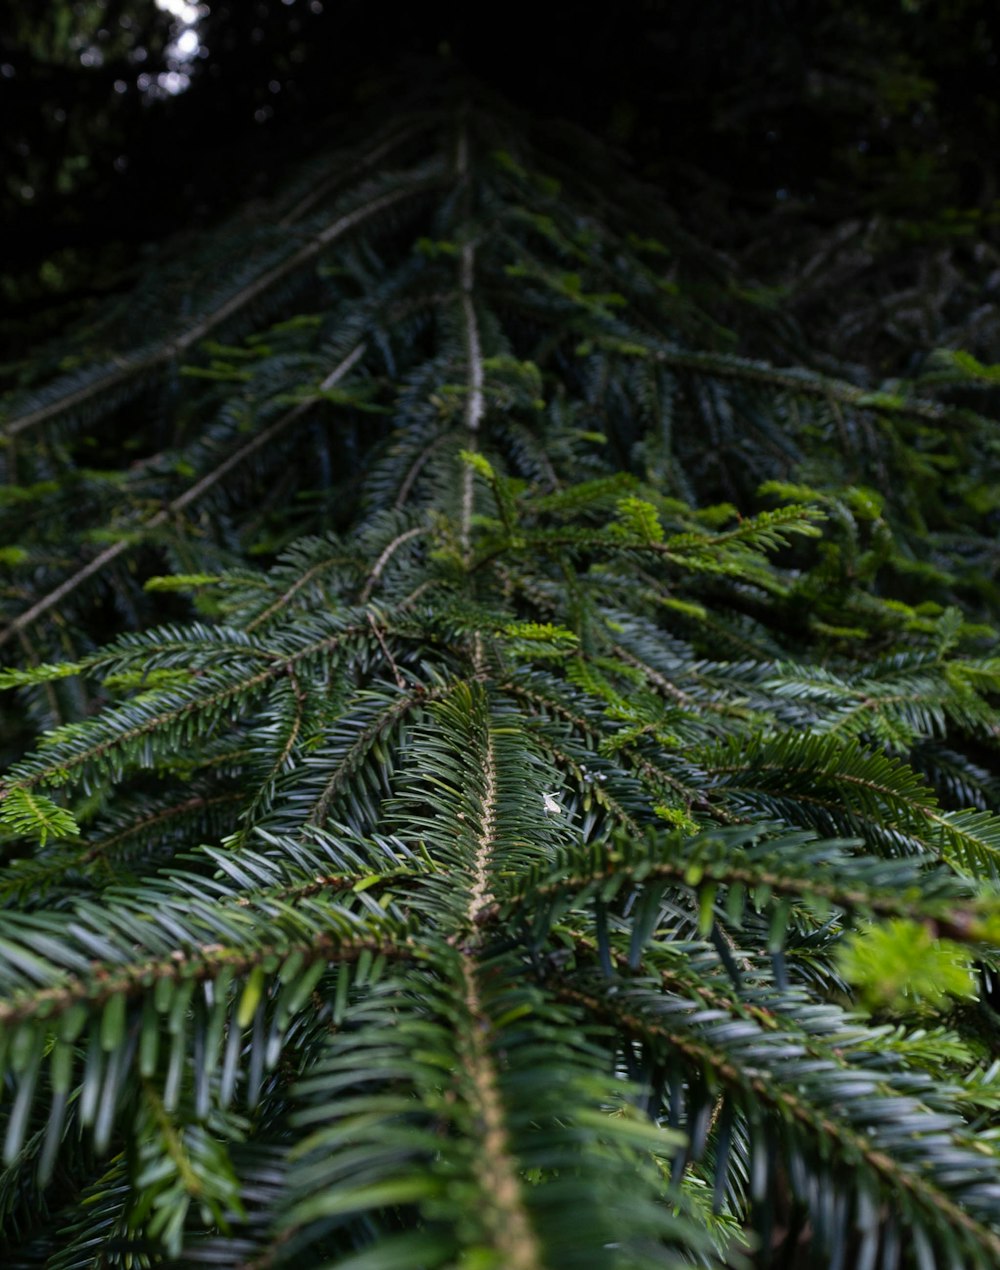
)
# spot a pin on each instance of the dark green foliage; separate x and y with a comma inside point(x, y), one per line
point(517, 776)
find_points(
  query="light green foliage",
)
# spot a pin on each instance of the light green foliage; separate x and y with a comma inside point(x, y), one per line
point(33, 815)
point(493, 756)
point(638, 519)
point(901, 964)
point(17, 678)
point(179, 582)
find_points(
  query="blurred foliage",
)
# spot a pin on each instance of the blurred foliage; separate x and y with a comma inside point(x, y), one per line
point(807, 114)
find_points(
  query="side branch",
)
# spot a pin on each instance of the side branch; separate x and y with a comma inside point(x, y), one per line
point(126, 367)
point(190, 495)
point(382, 724)
point(946, 918)
point(823, 1125)
point(153, 722)
point(205, 962)
point(791, 379)
point(386, 555)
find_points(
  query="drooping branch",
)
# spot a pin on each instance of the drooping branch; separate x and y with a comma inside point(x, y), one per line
point(178, 504)
point(127, 367)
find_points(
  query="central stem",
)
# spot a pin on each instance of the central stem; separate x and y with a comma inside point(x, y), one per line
point(475, 401)
point(481, 896)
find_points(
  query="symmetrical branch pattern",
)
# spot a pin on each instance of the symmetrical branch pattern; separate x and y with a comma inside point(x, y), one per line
point(510, 800)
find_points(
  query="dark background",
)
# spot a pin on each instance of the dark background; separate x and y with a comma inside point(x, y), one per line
point(759, 121)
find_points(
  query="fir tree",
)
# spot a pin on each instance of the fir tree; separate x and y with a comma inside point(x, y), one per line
point(515, 777)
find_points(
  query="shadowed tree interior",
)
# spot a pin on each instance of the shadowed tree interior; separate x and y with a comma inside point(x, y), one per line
point(502, 720)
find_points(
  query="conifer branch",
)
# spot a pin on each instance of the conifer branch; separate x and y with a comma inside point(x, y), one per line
point(399, 935)
point(128, 367)
point(154, 721)
point(475, 400)
point(321, 189)
point(383, 723)
point(795, 380)
point(386, 555)
point(827, 1130)
point(300, 583)
point(416, 467)
point(209, 961)
point(176, 505)
point(505, 1216)
point(480, 894)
